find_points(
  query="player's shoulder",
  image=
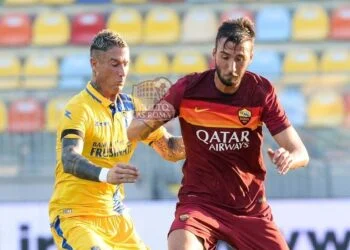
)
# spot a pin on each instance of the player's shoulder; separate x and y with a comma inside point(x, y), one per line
point(78, 102)
point(258, 81)
point(195, 78)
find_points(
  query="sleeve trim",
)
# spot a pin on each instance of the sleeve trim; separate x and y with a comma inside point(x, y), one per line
point(71, 131)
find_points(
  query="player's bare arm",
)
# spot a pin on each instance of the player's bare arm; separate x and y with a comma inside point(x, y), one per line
point(170, 147)
point(292, 153)
point(140, 129)
point(76, 164)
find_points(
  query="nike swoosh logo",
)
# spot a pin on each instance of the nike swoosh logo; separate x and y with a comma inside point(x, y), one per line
point(198, 110)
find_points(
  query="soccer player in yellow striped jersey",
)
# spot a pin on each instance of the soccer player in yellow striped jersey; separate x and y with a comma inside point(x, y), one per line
point(86, 210)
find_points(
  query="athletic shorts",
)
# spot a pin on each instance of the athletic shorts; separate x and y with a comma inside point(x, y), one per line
point(242, 232)
point(96, 233)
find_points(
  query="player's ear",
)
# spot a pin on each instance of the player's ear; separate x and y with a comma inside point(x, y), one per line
point(213, 52)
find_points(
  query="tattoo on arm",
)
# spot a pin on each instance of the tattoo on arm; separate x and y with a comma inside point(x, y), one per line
point(170, 148)
point(76, 164)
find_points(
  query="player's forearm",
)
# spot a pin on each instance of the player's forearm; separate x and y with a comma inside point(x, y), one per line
point(171, 148)
point(79, 166)
point(300, 158)
point(176, 148)
point(140, 129)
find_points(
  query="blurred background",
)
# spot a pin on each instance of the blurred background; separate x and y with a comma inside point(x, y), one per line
point(302, 46)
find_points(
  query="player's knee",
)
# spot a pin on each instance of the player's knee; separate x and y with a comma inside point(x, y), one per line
point(181, 239)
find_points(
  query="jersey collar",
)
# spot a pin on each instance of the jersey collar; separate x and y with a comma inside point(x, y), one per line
point(97, 96)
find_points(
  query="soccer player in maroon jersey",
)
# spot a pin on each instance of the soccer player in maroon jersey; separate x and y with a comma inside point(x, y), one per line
point(221, 113)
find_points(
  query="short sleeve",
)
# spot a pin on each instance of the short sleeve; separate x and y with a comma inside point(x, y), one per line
point(273, 114)
point(175, 95)
point(155, 135)
point(74, 121)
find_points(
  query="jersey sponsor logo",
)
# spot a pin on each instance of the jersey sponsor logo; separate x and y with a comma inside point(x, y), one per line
point(102, 149)
point(224, 140)
point(68, 114)
point(199, 110)
point(102, 124)
point(244, 115)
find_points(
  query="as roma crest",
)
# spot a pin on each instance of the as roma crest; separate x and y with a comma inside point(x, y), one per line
point(244, 115)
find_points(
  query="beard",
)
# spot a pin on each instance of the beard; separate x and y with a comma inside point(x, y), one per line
point(228, 81)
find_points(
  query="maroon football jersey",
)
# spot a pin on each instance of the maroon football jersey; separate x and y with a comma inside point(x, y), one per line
point(223, 138)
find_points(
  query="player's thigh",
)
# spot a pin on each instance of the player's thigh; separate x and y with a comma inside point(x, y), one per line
point(181, 239)
point(125, 237)
point(256, 233)
point(69, 233)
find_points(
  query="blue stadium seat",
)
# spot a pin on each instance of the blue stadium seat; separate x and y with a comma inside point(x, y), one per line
point(75, 71)
point(93, 1)
point(267, 64)
point(294, 103)
point(273, 24)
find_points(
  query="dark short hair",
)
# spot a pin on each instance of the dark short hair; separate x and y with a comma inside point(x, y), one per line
point(106, 39)
point(236, 31)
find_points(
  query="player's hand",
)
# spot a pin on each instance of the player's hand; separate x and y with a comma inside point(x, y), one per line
point(282, 159)
point(122, 173)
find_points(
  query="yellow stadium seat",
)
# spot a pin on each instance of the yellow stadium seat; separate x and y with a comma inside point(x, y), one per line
point(40, 72)
point(3, 117)
point(54, 110)
point(127, 22)
point(153, 63)
point(186, 62)
point(51, 29)
point(130, 1)
point(20, 2)
point(335, 61)
point(326, 109)
point(162, 25)
point(10, 71)
point(199, 25)
point(300, 62)
point(56, 2)
point(310, 23)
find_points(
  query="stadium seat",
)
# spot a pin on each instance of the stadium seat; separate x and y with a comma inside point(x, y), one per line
point(127, 22)
point(303, 61)
point(267, 64)
point(340, 23)
point(3, 117)
point(276, 17)
point(162, 25)
point(130, 1)
point(335, 61)
point(40, 72)
point(85, 26)
point(347, 109)
point(93, 1)
point(236, 13)
point(75, 71)
point(310, 23)
point(294, 103)
point(54, 109)
point(51, 29)
point(185, 62)
point(20, 2)
point(199, 25)
point(15, 29)
point(25, 116)
point(10, 71)
point(56, 2)
point(325, 109)
point(152, 63)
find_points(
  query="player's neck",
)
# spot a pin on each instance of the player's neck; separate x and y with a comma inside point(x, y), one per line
point(110, 96)
point(224, 88)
